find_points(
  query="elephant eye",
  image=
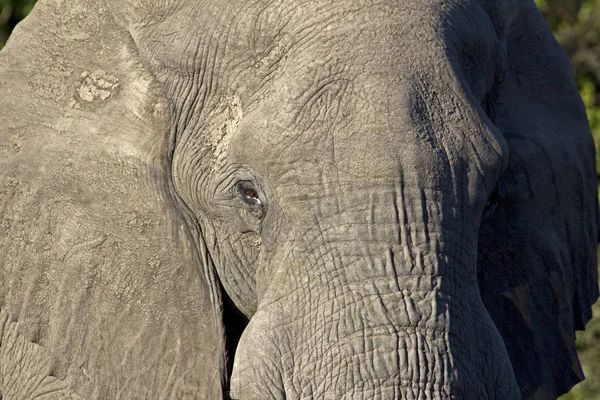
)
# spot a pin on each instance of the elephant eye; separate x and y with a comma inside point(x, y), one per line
point(249, 194)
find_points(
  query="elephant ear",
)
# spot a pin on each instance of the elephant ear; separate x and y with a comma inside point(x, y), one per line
point(537, 251)
point(105, 287)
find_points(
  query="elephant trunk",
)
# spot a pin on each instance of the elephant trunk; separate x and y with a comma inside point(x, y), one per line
point(398, 316)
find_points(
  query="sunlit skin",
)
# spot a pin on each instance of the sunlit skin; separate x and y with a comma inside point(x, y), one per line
point(292, 199)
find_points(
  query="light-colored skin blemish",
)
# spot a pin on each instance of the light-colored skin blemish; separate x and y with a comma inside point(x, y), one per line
point(98, 85)
point(224, 125)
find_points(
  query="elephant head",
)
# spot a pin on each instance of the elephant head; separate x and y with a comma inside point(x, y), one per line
point(292, 199)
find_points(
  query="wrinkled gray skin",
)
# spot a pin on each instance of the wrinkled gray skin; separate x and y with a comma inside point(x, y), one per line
point(399, 196)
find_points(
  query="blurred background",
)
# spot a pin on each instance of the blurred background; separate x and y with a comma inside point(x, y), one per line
point(576, 25)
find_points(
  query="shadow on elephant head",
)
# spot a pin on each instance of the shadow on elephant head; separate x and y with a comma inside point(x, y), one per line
point(292, 199)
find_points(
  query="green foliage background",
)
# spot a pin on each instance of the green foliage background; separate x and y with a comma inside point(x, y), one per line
point(576, 25)
point(11, 12)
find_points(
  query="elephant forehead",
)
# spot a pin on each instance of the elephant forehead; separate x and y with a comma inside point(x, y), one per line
point(366, 94)
point(352, 33)
point(368, 125)
point(259, 36)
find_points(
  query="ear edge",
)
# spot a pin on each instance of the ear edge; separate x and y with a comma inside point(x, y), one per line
point(552, 213)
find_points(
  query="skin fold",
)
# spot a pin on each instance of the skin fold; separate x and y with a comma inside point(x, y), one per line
point(292, 200)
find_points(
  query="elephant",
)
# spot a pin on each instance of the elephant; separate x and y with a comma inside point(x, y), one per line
point(277, 199)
